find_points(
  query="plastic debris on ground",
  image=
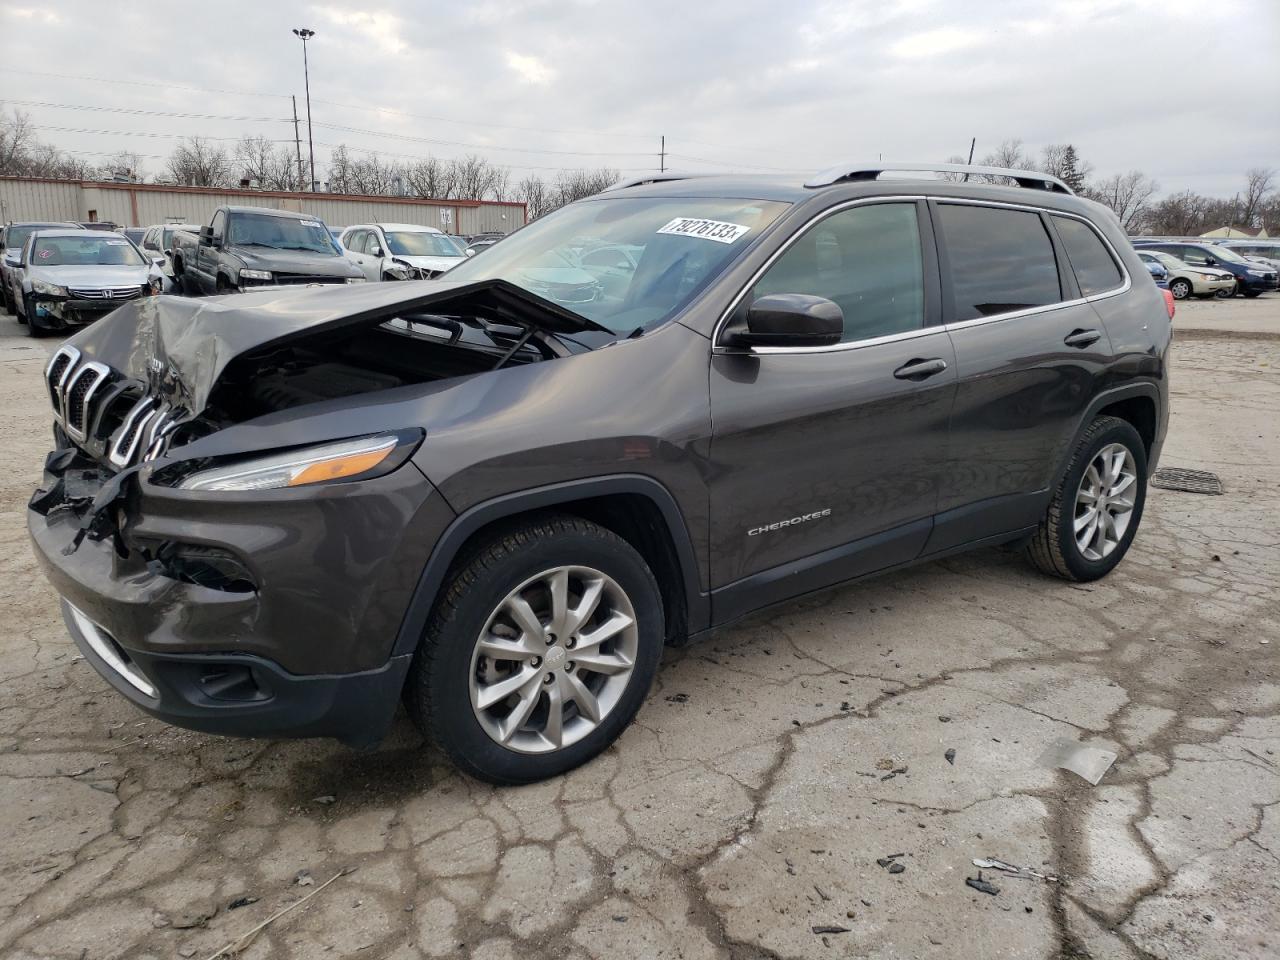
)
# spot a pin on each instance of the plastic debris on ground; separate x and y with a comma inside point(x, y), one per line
point(1025, 873)
point(1081, 759)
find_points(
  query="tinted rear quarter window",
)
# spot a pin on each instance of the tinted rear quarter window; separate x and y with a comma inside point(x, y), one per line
point(1095, 271)
point(1000, 260)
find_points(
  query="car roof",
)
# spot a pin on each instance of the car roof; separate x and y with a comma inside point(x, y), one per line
point(273, 212)
point(46, 223)
point(397, 227)
point(77, 234)
point(792, 189)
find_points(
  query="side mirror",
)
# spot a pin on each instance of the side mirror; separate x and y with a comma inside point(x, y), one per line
point(206, 236)
point(791, 320)
point(158, 261)
point(375, 251)
point(469, 252)
point(12, 261)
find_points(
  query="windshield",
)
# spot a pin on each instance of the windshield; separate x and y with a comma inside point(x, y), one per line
point(85, 251)
point(281, 233)
point(1225, 253)
point(419, 243)
point(17, 236)
point(626, 263)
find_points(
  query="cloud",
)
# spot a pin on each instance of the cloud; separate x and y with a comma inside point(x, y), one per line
point(530, 69)
point(386, 30)
point(935, 43)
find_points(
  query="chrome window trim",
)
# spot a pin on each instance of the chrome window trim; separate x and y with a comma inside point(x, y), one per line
point(722, 349)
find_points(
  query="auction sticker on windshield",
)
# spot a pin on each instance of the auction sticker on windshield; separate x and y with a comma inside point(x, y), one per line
point(717, 230)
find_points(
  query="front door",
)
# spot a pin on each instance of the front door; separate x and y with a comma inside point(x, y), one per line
point(825, 460)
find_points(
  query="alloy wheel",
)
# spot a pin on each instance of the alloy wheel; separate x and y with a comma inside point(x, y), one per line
point(1105, 501)
point(553, 659)
point(1180, 289)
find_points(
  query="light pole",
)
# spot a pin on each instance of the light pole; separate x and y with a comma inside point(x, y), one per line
point(303, 34)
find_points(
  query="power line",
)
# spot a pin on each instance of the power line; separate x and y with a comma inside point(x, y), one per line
point(134, 111)
point(481, 146)
point(144, 83)
point(418, 156)
point(143, 133)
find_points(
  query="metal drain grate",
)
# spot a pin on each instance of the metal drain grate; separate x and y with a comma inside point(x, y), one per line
point(1188, 481)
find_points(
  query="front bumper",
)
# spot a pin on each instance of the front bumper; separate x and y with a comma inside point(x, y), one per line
point(1205, 287)
point(243, 695)
point(297, 641)
point(60, 313)
point(1260, 284)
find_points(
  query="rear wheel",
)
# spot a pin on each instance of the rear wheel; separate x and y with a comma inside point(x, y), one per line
point(1096, 509)
point(540, 651)
point(1180, 288)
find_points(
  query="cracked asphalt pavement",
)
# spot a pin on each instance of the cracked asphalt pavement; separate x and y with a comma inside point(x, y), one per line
point(773, 765)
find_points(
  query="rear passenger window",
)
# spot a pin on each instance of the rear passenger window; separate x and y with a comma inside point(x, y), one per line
point(1095, 271)
point(1001, 260)
point(867, 260)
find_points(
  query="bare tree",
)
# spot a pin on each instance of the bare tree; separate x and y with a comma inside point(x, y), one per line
point(537, 198)
point(1257, 187)
point(124, 165)
point(1127, 194)
point(17, 140)
point(372, 177)
point(425, 178)
point(1182, 214)
point(340, 170)
point(271, 165)
point(198, 163)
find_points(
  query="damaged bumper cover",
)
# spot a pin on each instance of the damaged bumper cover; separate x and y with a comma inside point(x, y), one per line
point(263, 614)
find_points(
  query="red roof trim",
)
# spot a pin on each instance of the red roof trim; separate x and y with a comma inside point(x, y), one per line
point(278, 194)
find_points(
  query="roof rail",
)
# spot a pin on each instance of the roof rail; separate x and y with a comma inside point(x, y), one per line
point(846, 173)
point(648, 178)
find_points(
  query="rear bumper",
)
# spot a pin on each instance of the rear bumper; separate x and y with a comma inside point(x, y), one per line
point(243, 695)
point(1259, 284)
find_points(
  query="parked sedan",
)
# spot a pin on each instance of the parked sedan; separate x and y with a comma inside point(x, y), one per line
point(12, 237)
point(69, 278)
point(1187, 281)
point(1252, 279)
point(400, 251)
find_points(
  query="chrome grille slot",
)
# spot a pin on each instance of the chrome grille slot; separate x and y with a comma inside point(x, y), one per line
point(104, 293)
point(56, 373)
point(132, 430)
point(76, 395)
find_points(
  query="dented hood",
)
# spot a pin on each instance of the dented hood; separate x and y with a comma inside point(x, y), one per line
point(181, 346)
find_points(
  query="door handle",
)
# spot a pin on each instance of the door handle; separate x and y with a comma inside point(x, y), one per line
point(920, 369)
point(1082, 338)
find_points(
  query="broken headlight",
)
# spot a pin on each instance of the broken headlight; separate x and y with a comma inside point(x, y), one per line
point(345, 460)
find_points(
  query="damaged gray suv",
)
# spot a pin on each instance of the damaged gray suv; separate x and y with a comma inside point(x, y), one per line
point(498, 494)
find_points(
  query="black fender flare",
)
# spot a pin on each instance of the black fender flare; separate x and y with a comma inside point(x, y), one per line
point(698, 608)
point(1141, 388)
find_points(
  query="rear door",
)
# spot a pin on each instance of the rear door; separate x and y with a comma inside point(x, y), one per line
point(1030, 355)
point(825, 460)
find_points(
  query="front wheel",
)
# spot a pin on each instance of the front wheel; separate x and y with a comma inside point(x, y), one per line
point(1226, 294)
point(1097, 506)
point(1181, 289)
point(540, 651)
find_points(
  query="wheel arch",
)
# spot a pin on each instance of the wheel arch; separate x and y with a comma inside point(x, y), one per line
point(1136, 403)
point(638, 508)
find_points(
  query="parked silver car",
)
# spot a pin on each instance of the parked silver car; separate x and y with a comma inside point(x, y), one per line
point(158, 242)
point(1187, 281)
point(69, 278)
point(12, 237)
point(400, 251)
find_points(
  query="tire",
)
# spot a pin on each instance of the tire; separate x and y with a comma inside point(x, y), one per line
point(450, 673)
point(1180, 288)
point(1054, 548)
point(1225, 294)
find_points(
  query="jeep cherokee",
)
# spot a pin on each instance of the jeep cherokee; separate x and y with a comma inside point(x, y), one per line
point(498, 494)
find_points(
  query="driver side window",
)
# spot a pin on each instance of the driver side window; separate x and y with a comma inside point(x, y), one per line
point(1195, 257)
point(865, 259)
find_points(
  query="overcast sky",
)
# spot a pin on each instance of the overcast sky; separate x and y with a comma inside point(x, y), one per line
point(1186, 90)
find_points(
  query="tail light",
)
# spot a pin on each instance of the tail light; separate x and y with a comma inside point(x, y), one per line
point(1168, 302)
